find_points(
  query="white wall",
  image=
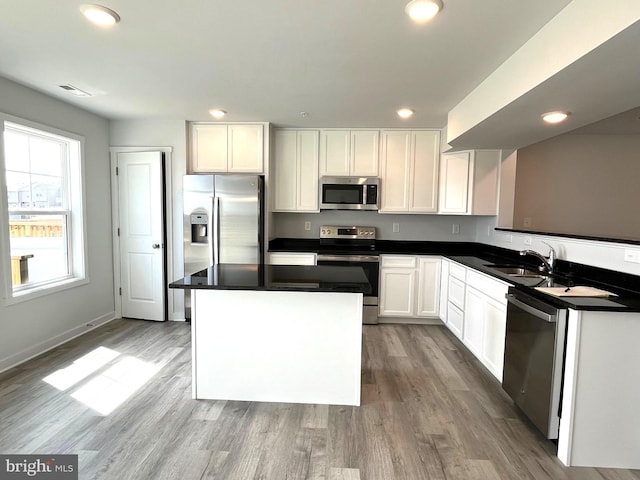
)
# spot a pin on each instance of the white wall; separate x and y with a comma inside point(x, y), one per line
point(162, 133)
point(598, 254)
point(33, 326)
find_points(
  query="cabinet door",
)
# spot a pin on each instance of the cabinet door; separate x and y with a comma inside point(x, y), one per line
point(455, 319)
point(335, 151)
point(444, 289)
point(495, 325)
point(246, 148)
point(307, 181)
point(428, 287)
point(285, 166)
point(397, 292)
point(208, 148)
point(292, 258)
point(474, 312)
point(424, 176)
point(394, 171)
point(456, 289)
point(364, 153)
point(454, 182)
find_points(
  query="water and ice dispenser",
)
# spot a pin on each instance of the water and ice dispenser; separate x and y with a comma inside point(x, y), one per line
point(199, 228)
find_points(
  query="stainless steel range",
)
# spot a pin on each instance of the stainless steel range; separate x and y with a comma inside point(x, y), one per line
point(354, 246)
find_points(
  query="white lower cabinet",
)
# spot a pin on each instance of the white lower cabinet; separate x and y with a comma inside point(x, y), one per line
point(409, 286)
point(455, 318)
point(292, 258)
point(477, 314)
point(473, 328)
point(495, 326)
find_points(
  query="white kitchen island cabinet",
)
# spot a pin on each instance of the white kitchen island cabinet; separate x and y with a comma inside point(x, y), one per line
point(277, 333)
point(600, 424)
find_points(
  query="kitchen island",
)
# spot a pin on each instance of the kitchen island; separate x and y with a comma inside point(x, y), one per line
point(277, 333)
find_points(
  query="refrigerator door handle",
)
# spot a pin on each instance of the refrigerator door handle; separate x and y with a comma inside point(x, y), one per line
point(216, 230)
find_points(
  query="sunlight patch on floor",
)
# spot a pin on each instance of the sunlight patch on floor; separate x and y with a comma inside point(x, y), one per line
point(110, 389)
point(81, 368)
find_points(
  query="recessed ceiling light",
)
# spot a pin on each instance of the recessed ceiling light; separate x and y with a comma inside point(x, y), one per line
point(405, 112)
point(555, 117)
point(217, 113)
point(102, 16)
point(423, 10)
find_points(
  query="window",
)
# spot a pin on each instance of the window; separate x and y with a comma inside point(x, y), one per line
point(44, 204)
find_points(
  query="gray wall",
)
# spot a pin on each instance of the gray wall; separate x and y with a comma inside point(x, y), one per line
point(412, 227)
point(162, 133)
point(583, 184)
point(30, 327)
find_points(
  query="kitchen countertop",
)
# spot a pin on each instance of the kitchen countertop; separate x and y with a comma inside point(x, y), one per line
point(277, 278)
point(480, 257)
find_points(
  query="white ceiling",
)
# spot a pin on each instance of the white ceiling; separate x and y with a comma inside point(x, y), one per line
point(345, 62)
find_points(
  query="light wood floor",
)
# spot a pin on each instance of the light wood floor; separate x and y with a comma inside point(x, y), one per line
point(429, 411)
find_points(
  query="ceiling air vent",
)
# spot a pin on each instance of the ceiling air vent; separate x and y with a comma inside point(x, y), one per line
point(75, 91)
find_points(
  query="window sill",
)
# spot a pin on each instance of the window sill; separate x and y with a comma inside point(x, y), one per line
point(41, 291)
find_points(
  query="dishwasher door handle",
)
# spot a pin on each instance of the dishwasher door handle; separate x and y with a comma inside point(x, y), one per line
point(532, 310)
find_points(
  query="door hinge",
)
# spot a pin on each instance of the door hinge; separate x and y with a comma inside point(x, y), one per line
point(120, 291)
point(117, 171)
point(118, 231)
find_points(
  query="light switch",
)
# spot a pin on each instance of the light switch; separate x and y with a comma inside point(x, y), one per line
point(307, 225)
point(455, 229)
point(396, 227)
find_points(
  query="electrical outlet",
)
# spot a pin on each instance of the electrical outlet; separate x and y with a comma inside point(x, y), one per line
point(527, 240)
point(632, 256)
point(526, 221)
point(508, 238)
point(396, 227)
point(307, 225)
point(455, 229)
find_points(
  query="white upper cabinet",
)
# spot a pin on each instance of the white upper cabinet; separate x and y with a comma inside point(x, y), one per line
point(469, 182)
point(296, 170)
point(409, 171)
point(220, 148)
point(349, 153)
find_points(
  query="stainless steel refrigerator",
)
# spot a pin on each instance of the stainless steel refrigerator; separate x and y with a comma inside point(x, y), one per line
point(223, 222)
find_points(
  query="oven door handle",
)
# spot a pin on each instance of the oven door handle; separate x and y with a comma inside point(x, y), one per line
point(532, 310)
point(349, 258)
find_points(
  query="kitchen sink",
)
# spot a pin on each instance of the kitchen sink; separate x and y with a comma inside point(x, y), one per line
point(516, 271)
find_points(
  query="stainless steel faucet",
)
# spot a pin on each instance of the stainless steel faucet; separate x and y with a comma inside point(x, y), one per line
point(548, 262)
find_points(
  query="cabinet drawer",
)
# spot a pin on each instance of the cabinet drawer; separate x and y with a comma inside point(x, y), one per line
point(455, 319)
point(292, 258)
point(456, 292)
point(491, 287)
point(397, 261)
point(458, 271)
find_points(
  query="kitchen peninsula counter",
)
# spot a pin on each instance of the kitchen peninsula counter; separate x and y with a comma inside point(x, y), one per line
point(277, 333)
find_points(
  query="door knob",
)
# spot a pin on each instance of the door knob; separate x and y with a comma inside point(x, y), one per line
point(155, 246)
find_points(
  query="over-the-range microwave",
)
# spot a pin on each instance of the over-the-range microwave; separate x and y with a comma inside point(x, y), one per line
point(349, 193)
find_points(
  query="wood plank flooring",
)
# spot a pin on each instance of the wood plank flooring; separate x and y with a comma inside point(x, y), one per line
point(429, 411)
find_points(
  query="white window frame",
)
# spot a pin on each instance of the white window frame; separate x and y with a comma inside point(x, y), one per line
point(76, 227)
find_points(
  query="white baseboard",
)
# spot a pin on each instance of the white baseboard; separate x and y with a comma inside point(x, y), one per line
point(411, 321)
point(42, 347)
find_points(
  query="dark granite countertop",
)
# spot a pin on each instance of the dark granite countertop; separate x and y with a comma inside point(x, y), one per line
point(480, 257)
point(277, 278)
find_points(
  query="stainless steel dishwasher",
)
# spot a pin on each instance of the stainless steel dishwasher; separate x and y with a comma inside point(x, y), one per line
point(534, 359)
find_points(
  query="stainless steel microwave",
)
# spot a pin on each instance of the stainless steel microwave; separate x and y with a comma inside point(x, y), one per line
point(349, 193)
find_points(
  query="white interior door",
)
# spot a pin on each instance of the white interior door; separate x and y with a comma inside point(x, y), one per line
point(142, 254)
